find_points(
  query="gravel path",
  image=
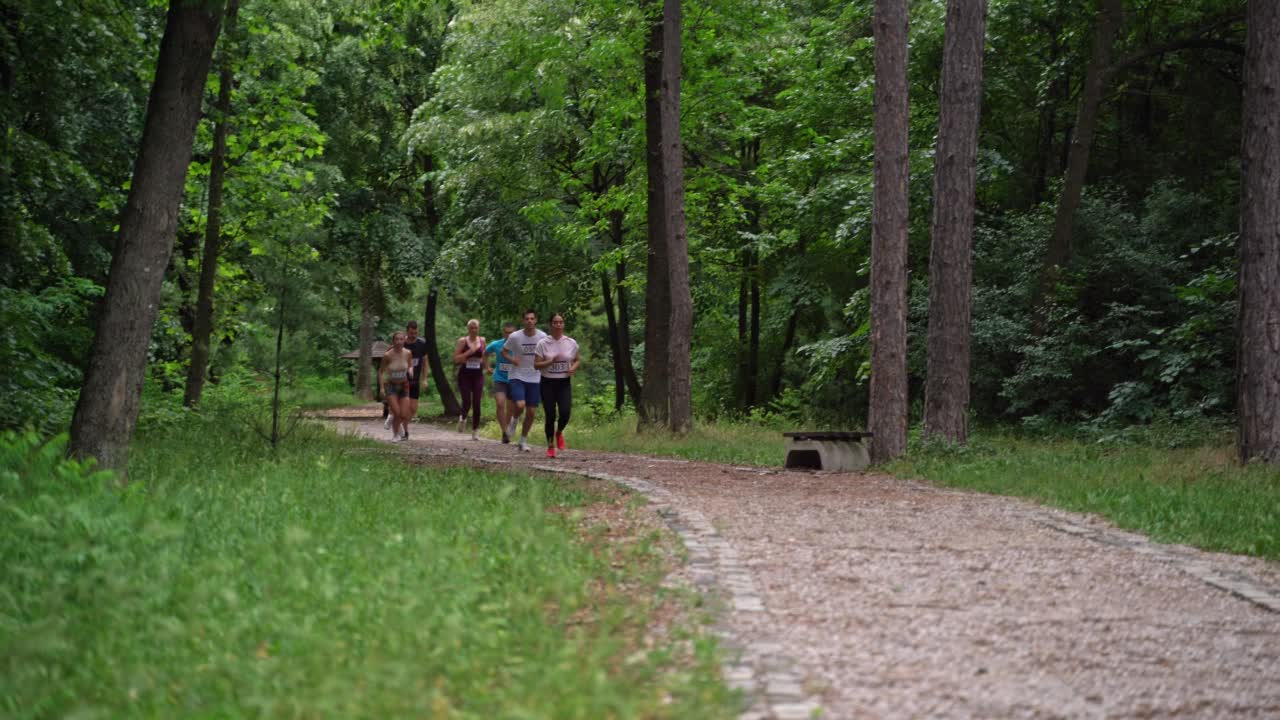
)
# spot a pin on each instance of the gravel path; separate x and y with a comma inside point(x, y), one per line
point(878, 597)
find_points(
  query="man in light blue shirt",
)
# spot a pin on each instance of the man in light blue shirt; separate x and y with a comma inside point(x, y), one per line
point(499, 368)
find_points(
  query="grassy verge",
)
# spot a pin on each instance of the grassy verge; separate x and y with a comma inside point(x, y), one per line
point(328, 582)
point(1197, 496)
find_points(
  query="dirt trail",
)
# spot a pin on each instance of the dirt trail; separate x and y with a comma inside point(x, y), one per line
point(871, 596)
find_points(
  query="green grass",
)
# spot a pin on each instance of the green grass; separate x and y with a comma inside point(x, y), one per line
point(330, 582)
point(1198, 496)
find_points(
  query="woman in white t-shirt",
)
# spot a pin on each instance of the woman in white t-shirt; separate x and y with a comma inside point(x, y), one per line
point(468, 355)
point(557, 359)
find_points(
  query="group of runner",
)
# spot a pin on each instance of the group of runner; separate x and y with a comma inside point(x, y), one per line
point(530, 368)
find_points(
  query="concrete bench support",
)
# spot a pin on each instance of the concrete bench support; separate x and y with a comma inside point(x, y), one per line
point(833, 451)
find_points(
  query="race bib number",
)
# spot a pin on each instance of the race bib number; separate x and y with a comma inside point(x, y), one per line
point(559, 367)
point(504, 367)
point(473, 364)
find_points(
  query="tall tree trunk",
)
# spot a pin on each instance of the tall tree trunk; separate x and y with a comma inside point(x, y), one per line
point(753, 333)
point(10, 29)
point(107, 410)
point(624, 316)
point(615, 349)
point(203, 325)
point(368, 315)
point(188, 245)
point(788, 339)
point(946, 397)
point(741, 351)
point(1258, 379)
point(680, 340)
point(1049, 112)
point(624, 338)
point(452, 408)
point(275, 393)
point(657, 321)
point(1095, 77)
point(887, 414)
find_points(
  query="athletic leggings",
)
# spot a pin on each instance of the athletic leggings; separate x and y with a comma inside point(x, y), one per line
point(557, 398)
point(471, 385)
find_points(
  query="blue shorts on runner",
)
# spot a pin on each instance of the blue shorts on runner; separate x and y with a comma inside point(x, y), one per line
point(528, 392)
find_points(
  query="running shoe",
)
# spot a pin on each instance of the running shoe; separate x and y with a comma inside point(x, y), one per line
point(524, 446)
point(560, 441)
point(511, 427)
point(406, 434)
point(506, 439)
point(462, 422)
point(475, 435)
point(551, 452)
point(387, 422)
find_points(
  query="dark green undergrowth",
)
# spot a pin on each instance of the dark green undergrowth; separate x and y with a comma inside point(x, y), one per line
point(330, 582)
point(1194, 495)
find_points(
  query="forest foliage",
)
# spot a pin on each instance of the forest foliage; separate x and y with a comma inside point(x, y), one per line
point(495, 152)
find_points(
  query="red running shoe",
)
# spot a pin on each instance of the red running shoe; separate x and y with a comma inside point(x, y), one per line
point(551, 452)
point(560, 440)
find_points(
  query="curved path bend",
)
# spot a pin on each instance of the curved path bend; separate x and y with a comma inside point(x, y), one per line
point(863, 595)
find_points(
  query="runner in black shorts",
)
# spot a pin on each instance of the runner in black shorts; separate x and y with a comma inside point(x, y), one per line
point(469, 356)
point(417, 372)
point(393, 380)
point(499, 368)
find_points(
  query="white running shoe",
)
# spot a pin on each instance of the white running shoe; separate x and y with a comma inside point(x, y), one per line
point(387, 423)
point(475, 435)
point(511, 428)
point(462, 422)
point(524, 446)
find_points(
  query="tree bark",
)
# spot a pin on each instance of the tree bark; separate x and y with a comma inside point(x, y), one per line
point(452, 408)
point(1059, 250)
point(107, 410)
point(946, 398)
point(615, 351)
point(187, 246)
point(624, 316)
point(203, 325)
point(887, 414)
point(753, 332)
point(1049, 114)
point(657, 321)
point(368, 315)
point(680, 340)
point(741, 351)
point(1258, 373)
point(788, 339)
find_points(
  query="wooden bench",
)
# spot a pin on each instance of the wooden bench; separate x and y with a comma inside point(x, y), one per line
point(837, 451)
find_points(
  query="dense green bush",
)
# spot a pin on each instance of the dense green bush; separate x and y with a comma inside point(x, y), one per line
point(1140, 324)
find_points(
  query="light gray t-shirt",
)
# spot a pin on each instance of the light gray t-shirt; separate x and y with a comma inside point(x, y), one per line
point(565, 349)
point(523, 346)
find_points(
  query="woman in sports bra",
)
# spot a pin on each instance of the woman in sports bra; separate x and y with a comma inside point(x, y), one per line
point(468, 355)
point(393, 380)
